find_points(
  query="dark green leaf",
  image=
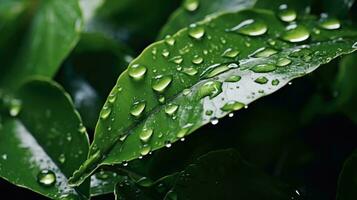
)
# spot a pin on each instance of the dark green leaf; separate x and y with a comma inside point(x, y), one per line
point(54, 31)
point(47, 134)
point(339, 8)
point(203, 79)
point(348, 180)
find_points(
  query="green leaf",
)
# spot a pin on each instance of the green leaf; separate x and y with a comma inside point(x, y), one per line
point(51, 37)
point(195, 10)
point(166, 96)
point(224, 175)
point(347, 183)
point(46, 134)
point(339, 8)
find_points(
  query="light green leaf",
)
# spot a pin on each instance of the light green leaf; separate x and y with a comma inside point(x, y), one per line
point(44, 142)
point(204, 73)
point(54, 32)
point(347, 183)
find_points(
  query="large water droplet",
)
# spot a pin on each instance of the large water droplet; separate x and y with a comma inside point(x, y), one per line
point(286, 14)
point(296, 34)
point(282, 62)
point(191, 5)
point(211, 89)
point(329, 23)
point(191, 71)
point(233, 78)
point(137, 108)
point(261, 80)
point(264, 53)
point(46, 178)
point(137, 71)
point(263, 68)
point(220, 69)
point(230, 53)
point(251, 27)
point(105, 112)
point(196, 32)
point(145, 150)
point(171, 109)
point(170, 40)
point(160, 83)
point(232, 106)
point(146, 134)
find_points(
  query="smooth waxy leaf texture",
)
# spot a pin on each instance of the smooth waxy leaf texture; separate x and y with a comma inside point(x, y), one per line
point(204, 73)
point(43, 145)
point(51, 37)
point(348, 179)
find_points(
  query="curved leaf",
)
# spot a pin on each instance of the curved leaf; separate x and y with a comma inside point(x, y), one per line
point(347, 183)
point(52, 36)
point(178, 85)
point(46, 135)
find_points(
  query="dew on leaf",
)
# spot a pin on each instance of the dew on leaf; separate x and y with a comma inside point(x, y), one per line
point(219, 69)
point(282, 62)
point(160, 83)
point(233, 78)
point(191, 5)
point(146, 134)
point(196, 32)
point(177, 59)
point(329, 23)
point(211, 89)
point(15, 107)
point(171, 109)
point(137, 108)
point(191, 71)
point(137, 71)
point(263, 68)
point(296, 34)
point(197, 60)
point(264, 53)
point(145, 150)
point(105, 113)
point(275, 82)
point(261, 80)
point(170, 40)
point(286, 14)
point(62, 158)
point(230, 53)
point(251, 27)
point(232, 106)
point(46, 178)
point(214, 121)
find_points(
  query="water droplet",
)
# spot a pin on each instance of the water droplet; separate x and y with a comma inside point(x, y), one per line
point(165, 53)
point(145, 150)
point(168, 144)
point(162, 99)
point(4, 156)
point(160, 83)
point(216, 70)
point(209, 112)
point(137, 71)
point(329, 23)
point(170, 40)
point(184, 130)
point(232, 106)
point(137, 108)
point(191, 5)
point(261, 80)
point(62, 158)
point(230, 114)
point(211, 89)
point(196, 32)
point(171, 109)
point(123, 137)
point(146, 134)
point(282, 62)
point(15, 107)
point(186, 92)
point(275, 82)
point(191, 71)
point(263, 68)
point(264, 53)
point(296, 34)
point(125, 163)
point(251, 27)
point(46, 178)
point(105, 112)
point(233, 78)
point(286, 14)
point(197, 60)
point(214, 121)
point(177, 59)
point(102, 175)
point(144, 182)
point(112, 97)
point(230, 53)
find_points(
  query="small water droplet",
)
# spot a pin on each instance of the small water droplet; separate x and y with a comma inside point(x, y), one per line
point(137, 71)
point(125, 163)
point(160, 83)
point(123, 137)
point(105, 112)
point(264, 53)
point(261, 80)
point(232, 106)
point(230, 53)
point(171, 109)
point(15, 107)
point(219, 69)
point(145, 150)
point(329, 23)
point(251, 27)
point(286, 14)
point(214, 121)
point(165, 53)
point(137, 108)
point(230, 114)
point(184, 130)
point(146, 134)
point(282, 62)
point(102, 175)
point(263, 68)
point(62, 158)
point(4, 156)
point(197, 60)
point(191, 71)
point(177, 59)
point(168, 144)
point(162, 99)
point(233, 78)
point(46, 178)
point(211, 89)
point(170, 40)
point(196, 32)
point(209, 112)
point(275, 82)
point(186, 92)
point(191, 5)
point(296, 34)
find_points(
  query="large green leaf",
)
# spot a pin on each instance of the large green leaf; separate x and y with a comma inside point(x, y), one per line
point(54, 31)
point(180, 84)
point(47, 134)
point(348, 179)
